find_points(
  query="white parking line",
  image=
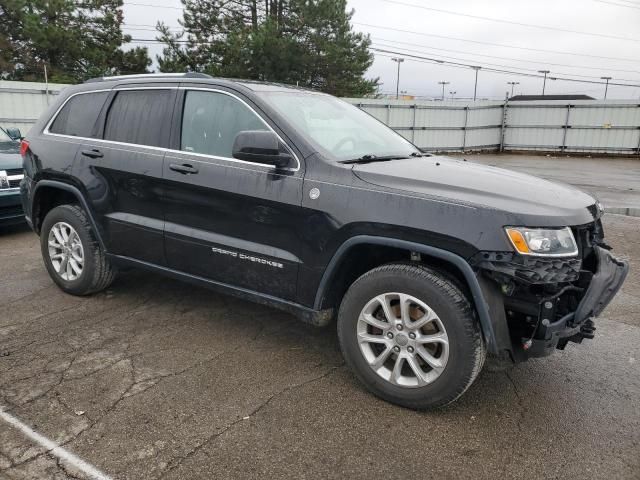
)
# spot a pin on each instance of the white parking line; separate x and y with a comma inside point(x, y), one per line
point(52, 448)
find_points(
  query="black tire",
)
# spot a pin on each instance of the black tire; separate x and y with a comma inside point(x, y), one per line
point(97, 273)
point(467, 350)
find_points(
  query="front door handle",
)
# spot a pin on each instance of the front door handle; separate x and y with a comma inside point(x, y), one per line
point(185, 168)
point(95, 153)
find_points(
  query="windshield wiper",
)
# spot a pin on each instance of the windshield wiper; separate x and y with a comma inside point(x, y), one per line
point(373, 158)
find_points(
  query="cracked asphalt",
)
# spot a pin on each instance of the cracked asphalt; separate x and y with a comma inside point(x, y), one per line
point(155, 379)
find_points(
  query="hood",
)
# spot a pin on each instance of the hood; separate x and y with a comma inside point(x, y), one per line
point(473, 184)
point(10, 155)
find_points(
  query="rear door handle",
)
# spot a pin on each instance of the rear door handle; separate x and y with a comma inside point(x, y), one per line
point(95, 153)
point(185, 168)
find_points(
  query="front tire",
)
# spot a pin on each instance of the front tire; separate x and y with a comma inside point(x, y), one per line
point(410, 335)
point(71, 252)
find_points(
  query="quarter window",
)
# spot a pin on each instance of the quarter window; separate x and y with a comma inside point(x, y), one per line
point(79, 115)
point(211, 121)
point(140, 117)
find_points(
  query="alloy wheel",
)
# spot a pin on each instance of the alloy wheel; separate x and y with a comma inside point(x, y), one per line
point(65, 251)
point(403, 340)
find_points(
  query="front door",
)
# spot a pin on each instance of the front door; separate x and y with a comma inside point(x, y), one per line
point(228, 220)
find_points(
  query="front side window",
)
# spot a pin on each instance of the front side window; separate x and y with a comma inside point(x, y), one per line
point(139, 117)
point(211, 121)
point(79, 115)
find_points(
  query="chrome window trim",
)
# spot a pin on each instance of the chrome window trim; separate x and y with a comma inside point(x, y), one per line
point(55, 115)
point(171, 150)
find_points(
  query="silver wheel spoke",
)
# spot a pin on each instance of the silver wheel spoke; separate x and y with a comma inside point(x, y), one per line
point(369, 338)
point(374, 322)
point(380, 359)
point(432, 361)
point(429, 316)
point(386, 307)
point(77, 270)
point(405, 311)
point(396, 373)
point(415, 368)
point(439, 337)
point(58, 235)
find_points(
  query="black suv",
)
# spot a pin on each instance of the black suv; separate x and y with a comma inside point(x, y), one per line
point(299, 200)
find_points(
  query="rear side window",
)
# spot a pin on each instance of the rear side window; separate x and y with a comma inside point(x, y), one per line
point(211, 121)
point(140, 117)
point(79, 115)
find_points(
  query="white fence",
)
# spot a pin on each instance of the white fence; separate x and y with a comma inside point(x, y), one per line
point(21, 103)
point(587, 126)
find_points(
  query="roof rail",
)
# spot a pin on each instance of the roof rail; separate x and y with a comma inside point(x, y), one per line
point(150, 75)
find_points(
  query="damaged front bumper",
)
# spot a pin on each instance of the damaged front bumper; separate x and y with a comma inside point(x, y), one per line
point(540, 305)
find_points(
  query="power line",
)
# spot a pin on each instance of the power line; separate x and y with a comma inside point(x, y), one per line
point(635, 60)
point(152, 5)
point(428, 60)
point(510, 22)
point(494, 70)
point(636, 6)
point(606, 69)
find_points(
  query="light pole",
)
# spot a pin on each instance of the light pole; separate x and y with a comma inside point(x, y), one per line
point(475, 87)
point(544, 82)
point(443, 84)
point(398, 60)
point(606, 87)
point(513, 84)
point(452, 94)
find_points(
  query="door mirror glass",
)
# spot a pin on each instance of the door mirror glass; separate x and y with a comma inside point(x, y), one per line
point(260, 146)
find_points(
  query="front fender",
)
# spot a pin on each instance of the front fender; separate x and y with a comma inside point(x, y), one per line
point(478, 297)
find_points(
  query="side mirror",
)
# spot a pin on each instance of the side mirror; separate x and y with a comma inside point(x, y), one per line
point(14, 133)
point(260, 146)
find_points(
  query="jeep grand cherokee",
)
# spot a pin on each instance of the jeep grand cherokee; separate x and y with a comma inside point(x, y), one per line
point(299, 200)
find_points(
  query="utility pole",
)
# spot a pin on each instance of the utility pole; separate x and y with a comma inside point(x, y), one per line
point(443, 84)
point(475, 88)
point(46, 83)
point(606, 87)
point(513, 84)
point(398, 60)
point(544, 82)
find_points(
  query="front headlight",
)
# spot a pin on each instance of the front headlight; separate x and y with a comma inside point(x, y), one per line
point(543, 242)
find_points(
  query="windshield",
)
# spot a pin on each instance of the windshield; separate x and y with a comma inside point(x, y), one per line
point(336, 128)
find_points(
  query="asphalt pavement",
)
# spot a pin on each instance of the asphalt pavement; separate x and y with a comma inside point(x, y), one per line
point(158, 379)
point(614, 181)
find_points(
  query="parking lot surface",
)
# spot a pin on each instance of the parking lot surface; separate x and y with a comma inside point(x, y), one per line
point(159, 379)
point(615, 181)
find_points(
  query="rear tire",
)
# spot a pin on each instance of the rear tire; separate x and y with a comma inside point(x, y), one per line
point(424, 355)
point(71, 253)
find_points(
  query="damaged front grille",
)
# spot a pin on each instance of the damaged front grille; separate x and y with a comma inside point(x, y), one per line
point(529, 270)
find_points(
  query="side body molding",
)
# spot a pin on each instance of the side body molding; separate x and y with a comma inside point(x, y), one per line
point(81, 200)
point(460, 263)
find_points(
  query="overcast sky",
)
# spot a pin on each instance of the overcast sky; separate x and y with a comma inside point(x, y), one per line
point(475, 41)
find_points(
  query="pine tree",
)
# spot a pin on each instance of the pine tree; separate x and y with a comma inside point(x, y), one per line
point(305, 42)
point(74, 40)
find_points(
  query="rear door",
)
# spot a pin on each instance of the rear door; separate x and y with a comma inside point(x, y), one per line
point(122, 170)
point(228, 220)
